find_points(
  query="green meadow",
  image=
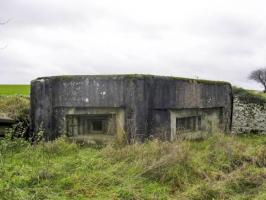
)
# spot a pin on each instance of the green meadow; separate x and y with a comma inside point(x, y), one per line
point(215, 166)
point(14, 90)
point(218, 167)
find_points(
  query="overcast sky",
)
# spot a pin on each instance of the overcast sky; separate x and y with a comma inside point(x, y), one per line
point(207, 39)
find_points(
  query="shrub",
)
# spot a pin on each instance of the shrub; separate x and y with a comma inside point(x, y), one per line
point(17, 108)
point(219, 167)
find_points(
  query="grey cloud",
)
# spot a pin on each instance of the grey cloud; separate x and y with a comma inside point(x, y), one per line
point(66, 37)
point(235, 26)
point(13, 72)
point(147, 30)
point(50, 13)
point(27, 14)
point(227, 25)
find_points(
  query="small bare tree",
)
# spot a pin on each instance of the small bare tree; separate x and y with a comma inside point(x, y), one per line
point(259, 75)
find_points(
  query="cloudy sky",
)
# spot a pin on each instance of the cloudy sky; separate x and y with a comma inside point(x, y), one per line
point(207, 39)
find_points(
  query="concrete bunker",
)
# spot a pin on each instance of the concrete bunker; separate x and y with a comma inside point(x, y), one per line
point(137, 106)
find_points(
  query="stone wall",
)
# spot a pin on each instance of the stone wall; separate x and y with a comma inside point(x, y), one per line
point(249, 116)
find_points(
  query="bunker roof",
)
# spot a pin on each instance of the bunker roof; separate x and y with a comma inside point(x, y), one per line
point(130, 77)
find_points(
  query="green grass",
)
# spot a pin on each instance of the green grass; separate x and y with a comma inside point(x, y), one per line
point(15, 90)
point(14, 106)
point(251, 96)
point(220, 167)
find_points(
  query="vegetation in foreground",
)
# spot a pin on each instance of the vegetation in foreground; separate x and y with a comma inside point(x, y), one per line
point(219, 167)
point(15, 90)
point(17, 108)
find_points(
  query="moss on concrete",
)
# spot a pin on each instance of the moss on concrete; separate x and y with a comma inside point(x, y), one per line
point(131, 77)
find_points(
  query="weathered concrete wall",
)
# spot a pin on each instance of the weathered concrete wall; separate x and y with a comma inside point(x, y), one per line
point(146, 101)
point(248, 116)
point(174, 95)
point(41, 107)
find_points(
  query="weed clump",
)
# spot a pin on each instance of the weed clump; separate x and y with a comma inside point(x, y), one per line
point(218, 167)
point(17, 108)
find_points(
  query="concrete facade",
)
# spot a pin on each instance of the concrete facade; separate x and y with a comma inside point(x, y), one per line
point(139, 106)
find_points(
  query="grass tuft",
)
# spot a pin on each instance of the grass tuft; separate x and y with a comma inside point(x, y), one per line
point(218, 167)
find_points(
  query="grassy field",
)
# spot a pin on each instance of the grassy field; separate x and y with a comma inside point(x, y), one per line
point(220, 167)
point(15, 90)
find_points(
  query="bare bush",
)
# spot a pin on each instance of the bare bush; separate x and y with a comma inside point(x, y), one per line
point(259, 75)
